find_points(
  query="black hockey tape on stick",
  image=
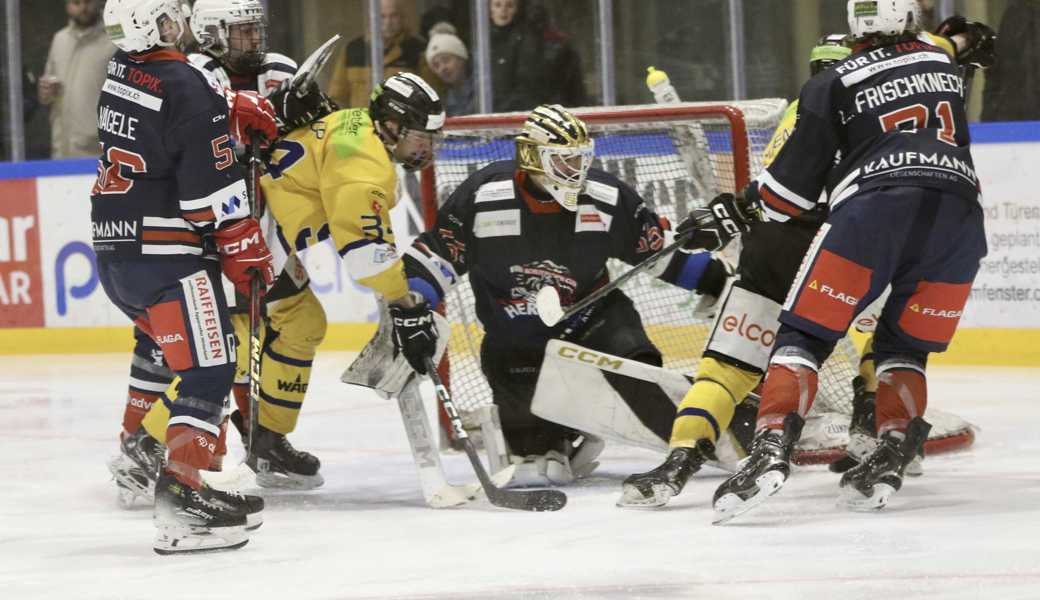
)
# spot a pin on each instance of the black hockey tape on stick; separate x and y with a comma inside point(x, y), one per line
point(254, 297)
point(532, 500)
point(547, 300)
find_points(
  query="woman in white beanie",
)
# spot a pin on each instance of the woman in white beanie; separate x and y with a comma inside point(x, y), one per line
point(449, 60)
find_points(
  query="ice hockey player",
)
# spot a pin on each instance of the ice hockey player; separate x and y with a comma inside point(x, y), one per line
point(232, 37)
point(546, 218)
point(768, 264)
point(736, 357)
point(332, 175)
point(904, 187)
point(168, 188)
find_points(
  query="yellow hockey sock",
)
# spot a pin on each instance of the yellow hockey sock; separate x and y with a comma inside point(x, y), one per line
point(159, 414)
point(707, 409)
point(866, 365)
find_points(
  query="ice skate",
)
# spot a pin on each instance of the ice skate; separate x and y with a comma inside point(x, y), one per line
point(136, 467)
point(761, 474)
point(869, 485)
point(655, 488)
point(247, 504)
point(186, 522)
point(278, 465)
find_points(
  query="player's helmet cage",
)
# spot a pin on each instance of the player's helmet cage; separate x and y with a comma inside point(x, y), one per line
point(830, 49)
point(555, 147)
point(410, 102)
point(140, 25)
point(233, 31)
point(883, 18)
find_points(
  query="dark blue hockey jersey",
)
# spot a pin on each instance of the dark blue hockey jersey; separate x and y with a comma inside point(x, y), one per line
point(167, 173)
point(894, 115)
point(510, 245)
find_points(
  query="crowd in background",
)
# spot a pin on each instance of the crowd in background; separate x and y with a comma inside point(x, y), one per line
point(531, 62)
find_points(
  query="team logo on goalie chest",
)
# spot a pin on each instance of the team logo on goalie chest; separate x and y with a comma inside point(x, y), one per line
point(533, 276)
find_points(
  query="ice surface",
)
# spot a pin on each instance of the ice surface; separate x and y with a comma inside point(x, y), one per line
point(970, 528)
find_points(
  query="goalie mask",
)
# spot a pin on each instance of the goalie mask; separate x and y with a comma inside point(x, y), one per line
point(408, 115)
point(830, 49)
point(233, 31)
point(139, 25)
point(556, 149)
point(883, 18)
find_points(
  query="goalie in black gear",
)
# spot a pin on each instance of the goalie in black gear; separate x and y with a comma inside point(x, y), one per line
point(548, 218)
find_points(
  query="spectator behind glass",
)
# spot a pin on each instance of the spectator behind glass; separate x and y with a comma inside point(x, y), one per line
point(71, 82)
point(449, 60)
point(1012, 91)
point(531, 62)
point(352, 82)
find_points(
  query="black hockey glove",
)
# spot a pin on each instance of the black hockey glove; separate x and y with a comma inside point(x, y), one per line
point(980, 41)
point(415, 333)
point(294, 110)
point(713, 227)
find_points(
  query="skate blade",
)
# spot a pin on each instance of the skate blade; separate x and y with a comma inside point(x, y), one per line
point(632, 498)
point(180, 539)
point(289, 481)
point(915, 468)
point(852, 499)
point(730, 505)
point(129, 482)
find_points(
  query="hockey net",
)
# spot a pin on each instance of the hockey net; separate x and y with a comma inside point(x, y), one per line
point(677, 157)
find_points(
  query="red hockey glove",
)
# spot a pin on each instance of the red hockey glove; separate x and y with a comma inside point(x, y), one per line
point(243, 251)
point(249, 112)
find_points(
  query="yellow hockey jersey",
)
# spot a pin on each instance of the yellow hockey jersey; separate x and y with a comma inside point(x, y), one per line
point(783, 130)
point(334, 179)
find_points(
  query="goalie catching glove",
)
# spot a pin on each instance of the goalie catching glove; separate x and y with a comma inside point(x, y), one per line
point(725, 217)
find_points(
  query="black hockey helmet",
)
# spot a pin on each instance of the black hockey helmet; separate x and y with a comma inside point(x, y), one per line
point(409, 102)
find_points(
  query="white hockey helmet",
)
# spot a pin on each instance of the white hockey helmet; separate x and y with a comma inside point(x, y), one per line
point(211, 23)
point(138, 25)
point(883, 17)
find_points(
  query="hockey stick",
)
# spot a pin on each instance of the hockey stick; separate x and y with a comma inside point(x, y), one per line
point(533, 500)
point(547, 301)
point(254, 299)
point(436, 490)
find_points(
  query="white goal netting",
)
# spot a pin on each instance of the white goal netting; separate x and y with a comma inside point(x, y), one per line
point(677, 157)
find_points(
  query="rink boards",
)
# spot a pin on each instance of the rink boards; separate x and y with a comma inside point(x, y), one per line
point(51, 301)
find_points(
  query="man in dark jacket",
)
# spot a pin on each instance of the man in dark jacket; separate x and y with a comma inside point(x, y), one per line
point(532, 63)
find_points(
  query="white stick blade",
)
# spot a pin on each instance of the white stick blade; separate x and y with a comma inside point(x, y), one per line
point(548, 304)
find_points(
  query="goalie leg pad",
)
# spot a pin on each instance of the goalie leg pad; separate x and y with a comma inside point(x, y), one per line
point(745, 330)
point(707, 409)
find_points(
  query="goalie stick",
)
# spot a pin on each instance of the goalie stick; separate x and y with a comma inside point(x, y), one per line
point(532, 500)
point(547, 301)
